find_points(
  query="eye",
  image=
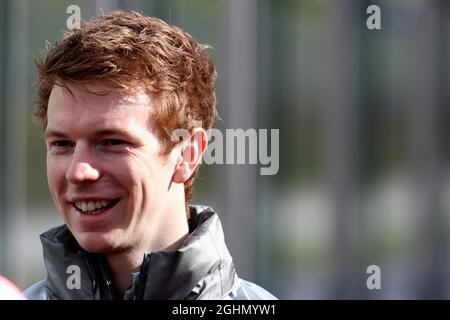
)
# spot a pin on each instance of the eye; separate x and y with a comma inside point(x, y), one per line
point(61, 144)
point(114, 142)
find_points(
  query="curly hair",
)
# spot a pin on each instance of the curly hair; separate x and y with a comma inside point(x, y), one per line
point(127, 50)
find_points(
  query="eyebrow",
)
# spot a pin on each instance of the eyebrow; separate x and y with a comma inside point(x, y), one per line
point(53, 133)
point(97, 133)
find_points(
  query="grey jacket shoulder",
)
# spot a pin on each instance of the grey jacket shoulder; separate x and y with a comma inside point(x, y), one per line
point(250, 291)
point(245, 291)
point(36, 291)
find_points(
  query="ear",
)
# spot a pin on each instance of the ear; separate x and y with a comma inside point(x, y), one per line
point(191, 154)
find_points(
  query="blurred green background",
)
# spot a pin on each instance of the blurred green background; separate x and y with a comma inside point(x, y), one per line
point(364, 120)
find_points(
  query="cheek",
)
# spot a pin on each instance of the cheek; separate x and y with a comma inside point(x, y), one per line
point(55, 174)
point(140, 167)
point(146, 175)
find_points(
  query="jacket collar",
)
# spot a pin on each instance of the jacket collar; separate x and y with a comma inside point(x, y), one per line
point(201, 269)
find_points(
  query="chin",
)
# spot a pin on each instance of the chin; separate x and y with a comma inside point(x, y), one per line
point(95, 242)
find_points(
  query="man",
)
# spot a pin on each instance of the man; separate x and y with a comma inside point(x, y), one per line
point(111, 95)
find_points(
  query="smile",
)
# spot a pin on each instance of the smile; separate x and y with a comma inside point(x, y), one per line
point(94, 207)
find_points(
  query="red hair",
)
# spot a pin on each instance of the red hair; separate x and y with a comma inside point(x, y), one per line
point(127, 50)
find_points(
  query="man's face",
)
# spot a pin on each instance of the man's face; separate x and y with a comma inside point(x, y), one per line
point(104, 168)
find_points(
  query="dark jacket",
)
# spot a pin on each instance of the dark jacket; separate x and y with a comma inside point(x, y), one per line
point(201, 269)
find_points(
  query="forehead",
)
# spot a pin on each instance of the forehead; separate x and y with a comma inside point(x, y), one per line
point(94, 105)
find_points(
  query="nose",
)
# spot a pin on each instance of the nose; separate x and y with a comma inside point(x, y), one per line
point(82, 167)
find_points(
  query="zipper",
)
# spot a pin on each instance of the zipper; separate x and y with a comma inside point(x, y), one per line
point(142, 281)
point(101, 279)
point(109, 293)
point(91, 273)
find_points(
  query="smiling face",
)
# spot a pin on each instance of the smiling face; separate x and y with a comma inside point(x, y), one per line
point(104, 168)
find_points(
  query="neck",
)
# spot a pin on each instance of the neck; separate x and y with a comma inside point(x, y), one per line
point(122, 265)
point(168, 235)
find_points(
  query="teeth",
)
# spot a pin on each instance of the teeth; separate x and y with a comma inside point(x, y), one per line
point(91, 205)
